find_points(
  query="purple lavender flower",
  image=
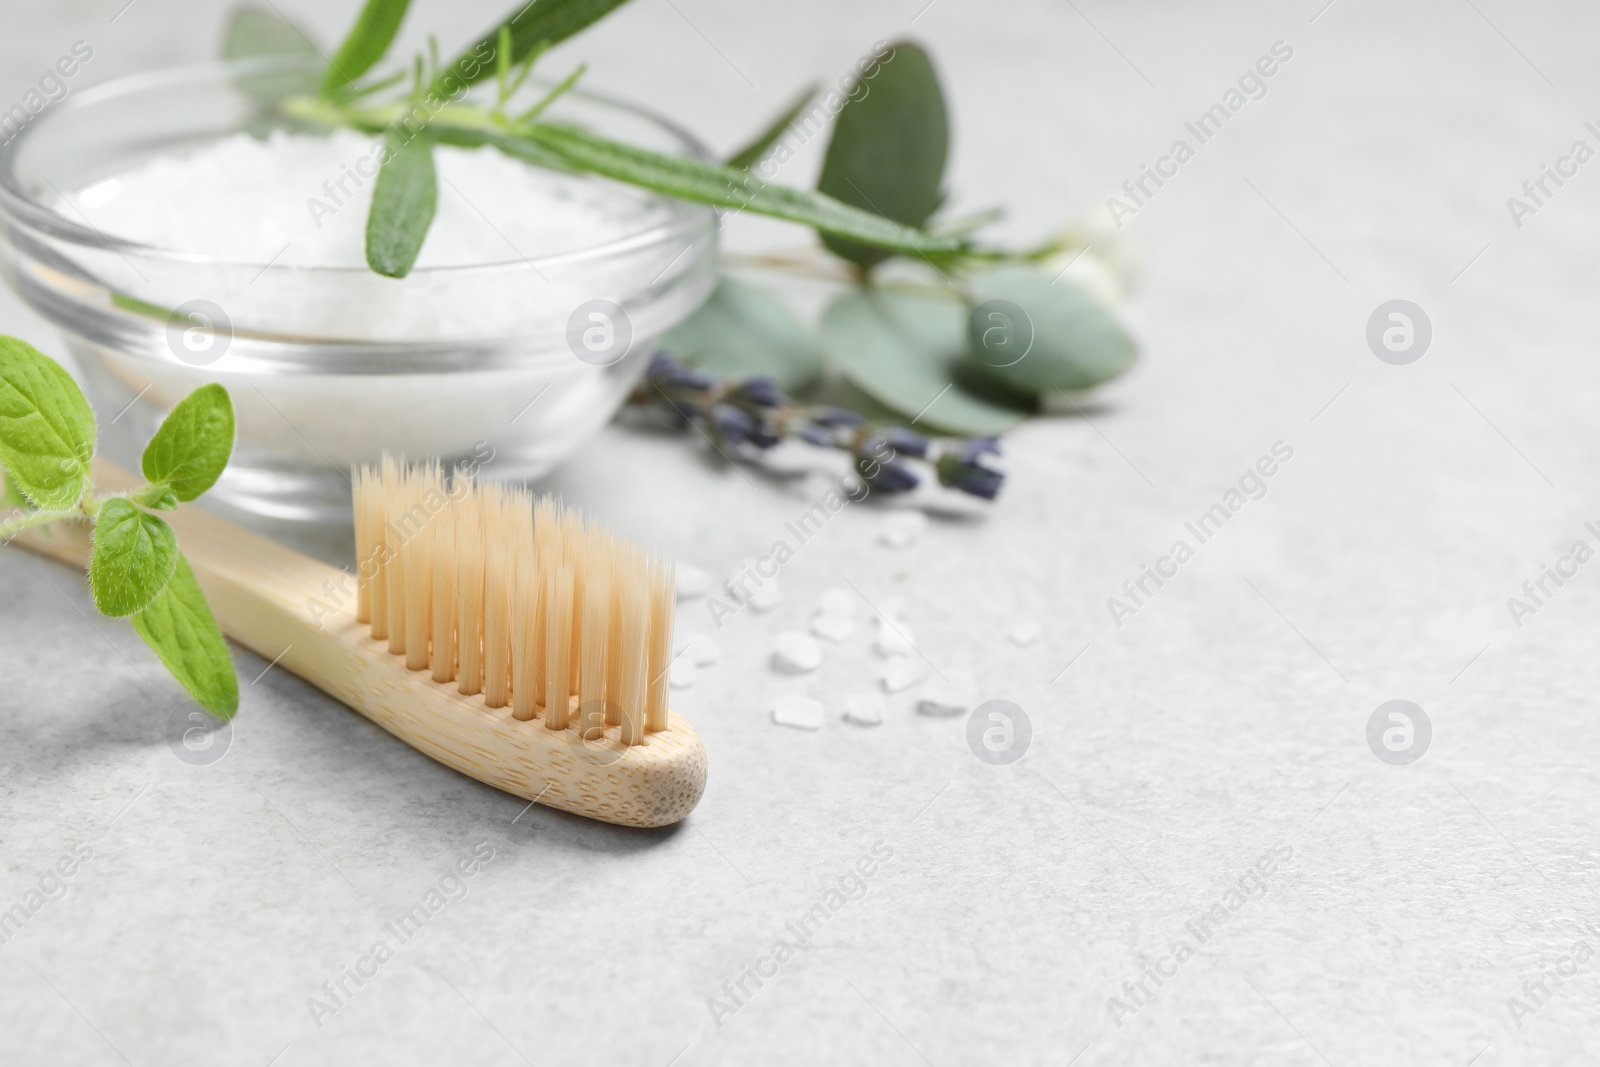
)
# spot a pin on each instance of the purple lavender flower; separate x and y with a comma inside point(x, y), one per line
point(962, 468)
point(888, 477)
point(907, 442)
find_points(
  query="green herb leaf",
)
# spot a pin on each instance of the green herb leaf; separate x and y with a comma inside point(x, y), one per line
point(403, 201)
point(756, 150)
point(10, 495)
point(888, 148)
point(1033, 336)
point(255, 33)
point(178, 626)
point(46, 427)
point(158, 496)
point(744, 329)
point(909, 353)
point(367, 42)
point(542, 22)
point(191, 448)
point(708, 183)
point(132, 558)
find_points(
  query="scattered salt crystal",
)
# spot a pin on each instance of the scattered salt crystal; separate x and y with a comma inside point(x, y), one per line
point(1026, 632)
point(902, 528)
point(902, 672)
point(692, 581)
point(864, 709)
point(838, 602)
point(795, 652)
point(950, 695)
point(894, 638)
point(683, 673)
point(767, 597)
point(791, 709)
point(701, 650)
point(833, 627)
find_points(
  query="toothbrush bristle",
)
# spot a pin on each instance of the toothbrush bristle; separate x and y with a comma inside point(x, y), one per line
point(519, 599)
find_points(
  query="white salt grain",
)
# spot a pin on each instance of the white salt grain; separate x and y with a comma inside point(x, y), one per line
point(864, 709)
point(802, 713)
point(953, 694)
point(833, 627)
point(838, 602)
point(692, 581)
point(902, 528)
point(767, 597)
point(796, 653)
point(902, 673)
point(683, 673)
point(894, 638)
point(1025, 632)
point(700, 649)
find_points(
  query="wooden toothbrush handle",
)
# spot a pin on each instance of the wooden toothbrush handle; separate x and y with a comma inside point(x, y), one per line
point(299, 612)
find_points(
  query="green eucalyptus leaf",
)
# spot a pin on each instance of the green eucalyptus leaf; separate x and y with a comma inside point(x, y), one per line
point(367, 42)
point(756, 150)
point(531, 25)
point(909, 352)
point(709, 183)
point(46, 427)
point(179, 628)
point(191, 448)
point(744, 329)
point(254, 33)
point(403, 202)
point(888, 149)
point(132, 557)
point(1033, 336)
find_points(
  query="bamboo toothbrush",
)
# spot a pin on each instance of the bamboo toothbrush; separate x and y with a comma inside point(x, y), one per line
point(506, 637)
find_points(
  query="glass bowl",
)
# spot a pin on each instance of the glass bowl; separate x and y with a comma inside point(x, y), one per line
point(510, 365)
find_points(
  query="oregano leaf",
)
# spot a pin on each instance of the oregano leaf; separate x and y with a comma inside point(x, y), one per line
point(179, 628)
point(192, 446)
point(403, 202)
point(366, 43)
point(132, 557)
point(46, 427)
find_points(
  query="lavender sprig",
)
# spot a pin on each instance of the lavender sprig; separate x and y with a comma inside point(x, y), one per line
point(752, 412)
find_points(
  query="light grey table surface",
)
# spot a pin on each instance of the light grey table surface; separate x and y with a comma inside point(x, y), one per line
point(1225, 719)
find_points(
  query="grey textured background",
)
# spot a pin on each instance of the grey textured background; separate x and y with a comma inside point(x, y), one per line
point(1225, 719)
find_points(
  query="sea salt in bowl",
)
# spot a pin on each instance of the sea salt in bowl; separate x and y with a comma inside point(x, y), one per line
point(178, 234)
